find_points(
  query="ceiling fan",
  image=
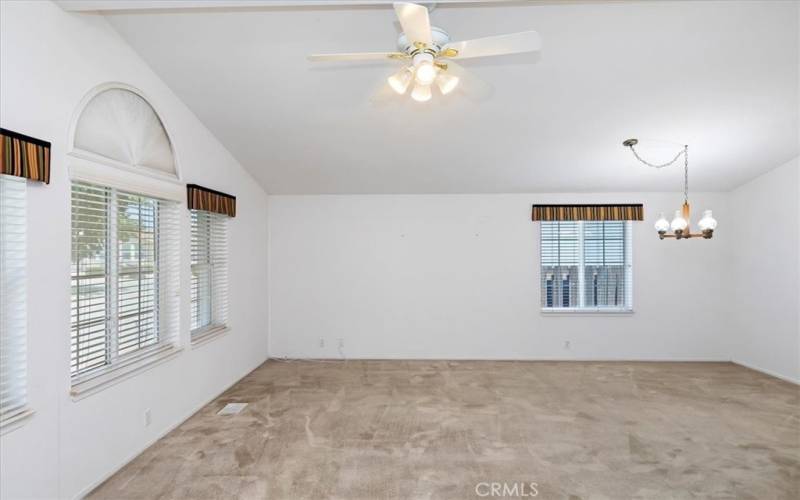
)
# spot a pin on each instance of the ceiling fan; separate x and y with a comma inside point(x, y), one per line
point(431, 53)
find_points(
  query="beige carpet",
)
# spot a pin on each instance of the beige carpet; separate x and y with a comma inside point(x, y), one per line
point(419, 429)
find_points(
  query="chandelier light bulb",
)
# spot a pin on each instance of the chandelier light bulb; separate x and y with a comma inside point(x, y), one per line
point(678, 222)
point(400, 81)
point(708, 222)
point(426, 73)
point(421, 93)
point(662, 224)
point(446, 83)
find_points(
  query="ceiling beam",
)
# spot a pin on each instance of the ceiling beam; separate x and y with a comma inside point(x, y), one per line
point(132, 5)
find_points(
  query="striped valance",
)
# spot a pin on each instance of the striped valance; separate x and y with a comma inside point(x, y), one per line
point(24, 156)
point(588, 212)
point(200, 198)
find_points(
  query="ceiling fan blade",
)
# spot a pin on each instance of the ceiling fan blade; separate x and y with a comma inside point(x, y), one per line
point(513, 43)
point(415, 22)
point(357, 56)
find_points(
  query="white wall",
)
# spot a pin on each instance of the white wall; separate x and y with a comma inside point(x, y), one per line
point(456, 276)
point(450, 276)
point(50, 60)
point(766, 333)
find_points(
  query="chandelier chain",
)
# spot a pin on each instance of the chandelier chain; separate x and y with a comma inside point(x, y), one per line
point(685, 174)
point(657, 165)
point(684, 152)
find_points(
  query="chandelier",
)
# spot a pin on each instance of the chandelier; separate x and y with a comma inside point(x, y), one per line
point(680, 225)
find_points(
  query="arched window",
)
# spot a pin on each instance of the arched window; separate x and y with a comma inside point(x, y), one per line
point(125, 239)
point(118, 124)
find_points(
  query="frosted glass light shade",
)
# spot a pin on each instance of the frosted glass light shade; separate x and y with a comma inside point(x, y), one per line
point(708, 222)
point(446, 83)
point(421, 93)
point(678, 222)
point(120, 125)
point(401, 80)
point(662, 224)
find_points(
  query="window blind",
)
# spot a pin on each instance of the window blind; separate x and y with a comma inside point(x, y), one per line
point(209, 303)
point(125, 278)
point(13, 366)
point(586, 265)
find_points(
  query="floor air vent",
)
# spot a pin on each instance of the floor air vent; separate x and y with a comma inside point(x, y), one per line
point(232, 409)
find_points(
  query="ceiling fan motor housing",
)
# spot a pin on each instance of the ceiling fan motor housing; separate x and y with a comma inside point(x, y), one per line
point(438, 35)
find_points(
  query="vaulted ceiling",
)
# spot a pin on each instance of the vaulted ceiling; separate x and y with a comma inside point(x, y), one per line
point(719, 76)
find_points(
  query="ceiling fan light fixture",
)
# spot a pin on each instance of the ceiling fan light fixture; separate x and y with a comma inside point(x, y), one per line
point(430, 50)
point(426, 73)
point(446, 83)
point(401, 80)
point(421, 93)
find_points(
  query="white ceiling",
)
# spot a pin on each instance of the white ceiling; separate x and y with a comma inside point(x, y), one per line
point(719, 76)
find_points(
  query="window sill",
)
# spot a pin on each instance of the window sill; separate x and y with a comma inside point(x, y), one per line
point(566, 311)
point(86, 386)
point(15, 420)
point(203, 336)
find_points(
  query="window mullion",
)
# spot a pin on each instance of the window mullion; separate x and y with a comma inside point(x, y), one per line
point(581, 266)
point(157, 261)
point(112, 277)
point(140, 213)
point(210, 256)
point(627, 259)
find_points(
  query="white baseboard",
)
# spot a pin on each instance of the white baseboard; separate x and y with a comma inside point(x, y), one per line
point(554, 358)
point(85, 491)
point(767, 372)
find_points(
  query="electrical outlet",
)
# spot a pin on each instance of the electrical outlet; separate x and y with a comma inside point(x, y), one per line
point(147, 417)
point(321, 343)
point(567, 344)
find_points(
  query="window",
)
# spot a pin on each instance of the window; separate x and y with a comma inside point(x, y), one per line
point(125, 239)
point(209, 272)
point(586, 265)
point(124, 279)
point(13, 366)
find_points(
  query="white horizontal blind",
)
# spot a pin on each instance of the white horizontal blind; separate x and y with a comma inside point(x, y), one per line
point(606, 264)
point(586, 265)
point(201, 269)
point(124, 277)
point(169, 262)
point(560, 257)
point(91, 269)
point(13, 366)
point(209, 271)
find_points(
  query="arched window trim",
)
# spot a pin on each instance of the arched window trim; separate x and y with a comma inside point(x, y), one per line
point(89, 166)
